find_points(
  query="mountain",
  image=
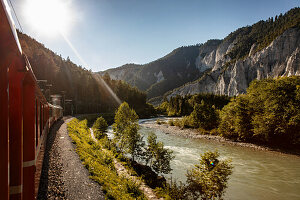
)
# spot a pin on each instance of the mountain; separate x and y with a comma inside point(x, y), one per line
point(182, 65)
point(267, 48)
point(280, 58)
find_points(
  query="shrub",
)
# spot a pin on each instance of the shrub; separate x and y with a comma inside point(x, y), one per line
point(100, 124)
point(208, 180)
point(125, 128)
point(159, 122)
point(177, 122)
point(157, 156)
point(98, 134)
point(204, 116)
point(171, 122)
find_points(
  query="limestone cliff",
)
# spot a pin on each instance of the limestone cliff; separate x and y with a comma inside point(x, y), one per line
point(280, 58)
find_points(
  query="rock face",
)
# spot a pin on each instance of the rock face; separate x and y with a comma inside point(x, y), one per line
point(280, 58)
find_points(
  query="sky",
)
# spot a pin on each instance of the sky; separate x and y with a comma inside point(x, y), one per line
point(111, 33)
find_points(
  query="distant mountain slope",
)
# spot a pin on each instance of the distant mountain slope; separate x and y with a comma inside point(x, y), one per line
point(182, 65)
point(266, 49)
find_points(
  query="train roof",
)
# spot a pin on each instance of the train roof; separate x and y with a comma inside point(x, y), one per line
point(8, 21)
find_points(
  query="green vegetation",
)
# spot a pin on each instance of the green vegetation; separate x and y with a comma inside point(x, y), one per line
point(159, 121)
point(98, 157)
point(204, 116)
point(99, 126)
point(269, 113)
point(262, 33)
point(91, 118)
point(183, 106)
point(126, 133)
point(207, 180)
point(99, 161)
point(171, 122)
point(86, 90)
point(129, 141)
point(200, 111)
point(157, 156)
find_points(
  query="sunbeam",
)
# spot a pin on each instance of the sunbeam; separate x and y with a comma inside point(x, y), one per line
point(99, 80)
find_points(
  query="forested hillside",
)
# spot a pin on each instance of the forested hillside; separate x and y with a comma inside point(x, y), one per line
point(87, 92)
point(261, 34)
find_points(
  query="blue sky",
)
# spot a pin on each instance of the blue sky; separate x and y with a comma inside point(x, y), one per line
point(110, 33)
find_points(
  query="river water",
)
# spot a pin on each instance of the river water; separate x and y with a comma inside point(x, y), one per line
point(257, 174)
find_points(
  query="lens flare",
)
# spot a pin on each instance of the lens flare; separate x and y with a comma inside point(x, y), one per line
point(49, 17)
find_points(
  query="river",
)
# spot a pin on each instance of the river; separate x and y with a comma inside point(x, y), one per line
point(257, 174)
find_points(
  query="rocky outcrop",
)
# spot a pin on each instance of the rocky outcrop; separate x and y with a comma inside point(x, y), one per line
point(280, 58)
point(207, 55)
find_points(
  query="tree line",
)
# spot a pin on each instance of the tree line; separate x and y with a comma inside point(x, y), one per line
point(184, 105)
point(269, 113)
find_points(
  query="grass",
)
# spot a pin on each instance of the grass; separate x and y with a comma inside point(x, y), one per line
point(99, 162)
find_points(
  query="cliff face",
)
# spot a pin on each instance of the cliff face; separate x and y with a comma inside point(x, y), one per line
point(280, 58)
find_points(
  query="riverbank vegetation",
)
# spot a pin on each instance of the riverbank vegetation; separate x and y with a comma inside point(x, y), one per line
point(153, 159)
point(183, 106)
point(207, 180)
point(157, 159)
point(129, 141)
point(268, 114)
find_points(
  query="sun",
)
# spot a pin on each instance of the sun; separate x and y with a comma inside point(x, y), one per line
point(49, 17)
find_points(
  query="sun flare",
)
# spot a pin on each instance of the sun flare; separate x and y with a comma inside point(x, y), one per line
point(49, 17)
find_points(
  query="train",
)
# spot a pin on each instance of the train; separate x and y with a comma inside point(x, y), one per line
point(25, 116)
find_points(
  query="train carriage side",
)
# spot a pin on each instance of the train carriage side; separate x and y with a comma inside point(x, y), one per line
point(25, 116)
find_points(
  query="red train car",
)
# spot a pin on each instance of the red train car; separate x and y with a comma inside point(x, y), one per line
point(24, 116)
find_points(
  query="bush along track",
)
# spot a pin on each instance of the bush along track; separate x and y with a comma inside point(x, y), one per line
point(99, 160)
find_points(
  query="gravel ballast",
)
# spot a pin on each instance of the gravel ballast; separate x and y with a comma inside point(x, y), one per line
point(63, 175)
